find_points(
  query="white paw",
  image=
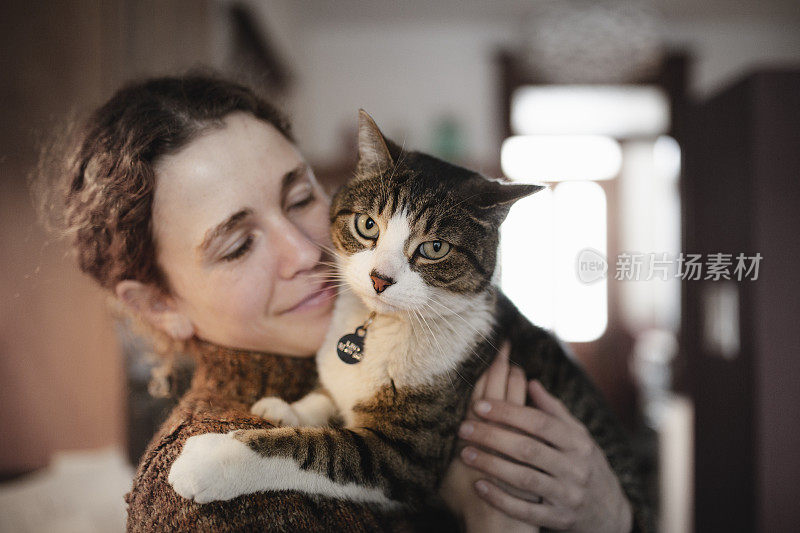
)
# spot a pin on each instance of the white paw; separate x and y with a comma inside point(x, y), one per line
point(211, 467)
point(276, 411)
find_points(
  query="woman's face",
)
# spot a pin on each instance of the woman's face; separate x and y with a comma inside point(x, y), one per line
point(240, 225)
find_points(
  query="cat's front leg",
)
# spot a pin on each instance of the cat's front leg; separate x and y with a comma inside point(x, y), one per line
point(315, 409)
point(213, 467)
point(383, 465)
point(218, 467)
point(276, 410)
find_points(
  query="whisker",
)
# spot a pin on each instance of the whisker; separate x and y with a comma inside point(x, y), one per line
point(466, 322)
point(336, 281)
point(327, 275)
point(329, 263)
point(326, 248)
point(452, 328)
point(441, 351)
point(340, 285)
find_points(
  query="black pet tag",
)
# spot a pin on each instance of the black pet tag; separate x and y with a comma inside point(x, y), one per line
point(351, 346)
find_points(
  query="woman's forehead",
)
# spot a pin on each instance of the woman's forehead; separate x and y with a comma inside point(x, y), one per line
point(238, 165)
point(242, 150)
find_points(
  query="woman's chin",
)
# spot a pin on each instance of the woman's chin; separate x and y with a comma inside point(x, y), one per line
point(301, 356)
point(310, 333)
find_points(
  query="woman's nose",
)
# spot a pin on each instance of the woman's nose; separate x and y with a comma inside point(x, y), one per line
point(293, 249)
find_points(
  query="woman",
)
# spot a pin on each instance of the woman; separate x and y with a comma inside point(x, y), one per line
point(187, 199)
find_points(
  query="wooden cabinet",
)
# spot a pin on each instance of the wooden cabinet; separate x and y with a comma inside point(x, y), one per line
point(741, 193)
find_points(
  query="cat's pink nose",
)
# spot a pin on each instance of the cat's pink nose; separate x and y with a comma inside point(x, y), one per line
point(379, 281)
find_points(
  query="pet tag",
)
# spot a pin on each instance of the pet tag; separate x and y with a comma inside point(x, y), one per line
point(351, 346)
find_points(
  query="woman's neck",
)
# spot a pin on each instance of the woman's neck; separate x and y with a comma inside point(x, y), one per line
point(245, 375)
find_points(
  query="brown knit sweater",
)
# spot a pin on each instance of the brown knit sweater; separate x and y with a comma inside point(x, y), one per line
point(225, 384)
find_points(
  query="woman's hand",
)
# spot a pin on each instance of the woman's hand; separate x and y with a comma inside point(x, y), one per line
point(553, 456)
point(499, 382)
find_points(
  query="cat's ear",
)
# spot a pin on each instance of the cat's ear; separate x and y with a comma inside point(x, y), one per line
point(496, 194)
point(375, 152)
point(497, 197)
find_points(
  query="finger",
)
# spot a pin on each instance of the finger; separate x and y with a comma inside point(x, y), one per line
point(477, 393)
point(538, 514)
point(532, 421)
point(549, 403)
point(522, 448)
point(497, 375)
point(533, 483)
point(479, 389)
point(517, 384)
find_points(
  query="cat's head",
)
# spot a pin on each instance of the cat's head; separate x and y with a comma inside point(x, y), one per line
point(414, 233)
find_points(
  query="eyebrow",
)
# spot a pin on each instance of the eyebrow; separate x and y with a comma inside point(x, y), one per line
point(232, 221)
point(290, 178)
point(223, 228)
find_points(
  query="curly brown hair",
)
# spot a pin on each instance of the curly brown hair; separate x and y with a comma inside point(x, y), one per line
point(95, 183)
point(108, 179)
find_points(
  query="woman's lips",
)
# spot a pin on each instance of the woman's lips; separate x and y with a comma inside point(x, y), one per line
point(315, 300)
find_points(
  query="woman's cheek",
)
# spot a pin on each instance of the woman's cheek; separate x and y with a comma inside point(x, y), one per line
point(315, 223)
point(250, 296)
point(240, 293)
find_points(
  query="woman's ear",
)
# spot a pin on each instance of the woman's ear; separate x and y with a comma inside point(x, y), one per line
point(157, 308)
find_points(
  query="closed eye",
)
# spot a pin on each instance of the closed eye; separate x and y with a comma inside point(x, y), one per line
point(302, 203)
point(241, 250)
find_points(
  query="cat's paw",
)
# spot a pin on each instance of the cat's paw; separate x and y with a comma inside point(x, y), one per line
point(276, 411)
point(212, 467)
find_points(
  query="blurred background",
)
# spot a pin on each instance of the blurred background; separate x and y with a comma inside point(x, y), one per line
point(663, 127)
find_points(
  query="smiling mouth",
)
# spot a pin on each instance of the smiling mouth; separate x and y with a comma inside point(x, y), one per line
point(316, 299)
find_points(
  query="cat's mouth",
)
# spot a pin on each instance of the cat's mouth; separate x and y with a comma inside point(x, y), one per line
point(378, 303)
point(382, 305)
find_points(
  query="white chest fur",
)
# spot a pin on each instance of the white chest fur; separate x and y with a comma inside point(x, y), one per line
point(408, 349)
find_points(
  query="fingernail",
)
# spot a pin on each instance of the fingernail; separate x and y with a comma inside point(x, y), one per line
point(469, 454)
point(483, 407)
point(481, 486)
point(466, 429)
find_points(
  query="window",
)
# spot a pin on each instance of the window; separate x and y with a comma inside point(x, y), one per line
point(541, 241)
point(567, 135)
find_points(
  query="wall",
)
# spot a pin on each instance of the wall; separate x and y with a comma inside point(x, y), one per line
point(410, 63)
point(61, 378)
point(724, 49)
point(407, 75)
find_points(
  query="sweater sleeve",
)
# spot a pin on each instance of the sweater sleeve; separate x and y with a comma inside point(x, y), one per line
point(545, 358)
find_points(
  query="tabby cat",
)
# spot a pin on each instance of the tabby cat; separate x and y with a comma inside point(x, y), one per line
point(418, 322)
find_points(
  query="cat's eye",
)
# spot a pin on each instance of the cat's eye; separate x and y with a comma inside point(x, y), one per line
point(366, 227)
point(434, 250)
